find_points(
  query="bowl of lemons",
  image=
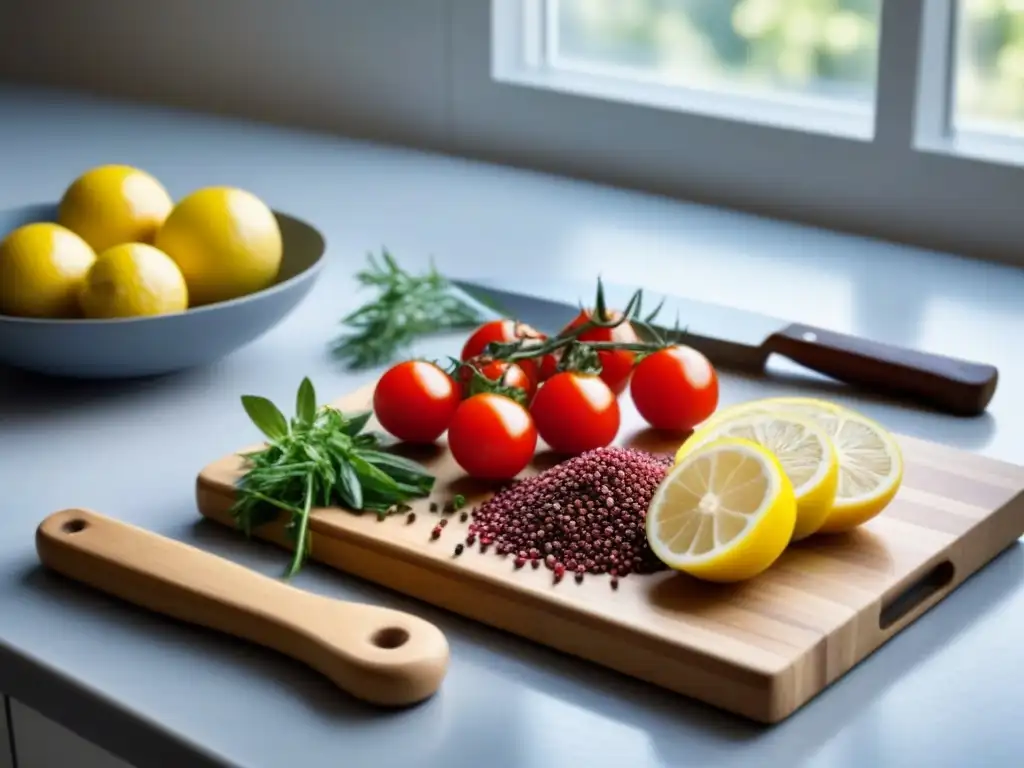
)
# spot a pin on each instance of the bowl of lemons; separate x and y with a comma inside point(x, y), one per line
point(118, 280)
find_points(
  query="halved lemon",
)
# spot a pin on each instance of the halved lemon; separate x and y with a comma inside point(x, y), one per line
point(804, 449)
point(724, 513)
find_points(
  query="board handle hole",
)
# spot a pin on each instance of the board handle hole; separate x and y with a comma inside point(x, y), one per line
point(390, 638)
point(932, 581)
point(76, 525)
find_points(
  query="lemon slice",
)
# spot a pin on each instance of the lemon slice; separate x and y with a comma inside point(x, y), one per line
point(802, 447)
point(724, 513)
point(870, 467)
point(870, 460)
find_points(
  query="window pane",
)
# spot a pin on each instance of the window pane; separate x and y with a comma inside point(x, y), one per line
point(825, 48)
point(990, 66)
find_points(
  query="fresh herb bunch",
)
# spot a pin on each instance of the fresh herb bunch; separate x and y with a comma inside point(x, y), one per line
point(321, 457)
point(576, 355)
point(407, 306)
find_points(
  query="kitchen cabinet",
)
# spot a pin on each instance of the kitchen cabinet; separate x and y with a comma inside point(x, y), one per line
point(5, 737)
point(42, 743)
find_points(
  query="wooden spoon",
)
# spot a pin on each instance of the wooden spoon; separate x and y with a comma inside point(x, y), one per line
point(382, 656)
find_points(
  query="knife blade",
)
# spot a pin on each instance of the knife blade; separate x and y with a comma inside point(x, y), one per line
point(738, 339)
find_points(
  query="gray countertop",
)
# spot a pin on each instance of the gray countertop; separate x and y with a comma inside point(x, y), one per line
point(946, 692)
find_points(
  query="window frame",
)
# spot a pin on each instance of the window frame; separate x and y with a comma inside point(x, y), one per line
point(909, 179)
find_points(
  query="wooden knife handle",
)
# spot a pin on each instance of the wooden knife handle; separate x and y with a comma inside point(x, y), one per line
point(382, 656)
point(956, 386)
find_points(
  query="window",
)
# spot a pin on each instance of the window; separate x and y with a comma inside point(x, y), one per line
point(758, 47)
point(782, 62)
point(989, 84)
point(806, 64)
point(898, 119)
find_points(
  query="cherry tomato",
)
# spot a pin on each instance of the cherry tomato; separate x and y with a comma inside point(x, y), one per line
point(549, 366)
point(514, 375)
point(576, 412)
point(503, 332)
point(492, 437)
point(675, 388)
point(617, 364)
point(415, 401)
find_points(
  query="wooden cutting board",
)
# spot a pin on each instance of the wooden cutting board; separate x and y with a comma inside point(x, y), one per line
point(762, 648)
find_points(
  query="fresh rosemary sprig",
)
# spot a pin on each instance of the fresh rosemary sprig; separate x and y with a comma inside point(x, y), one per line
point(407, 306)
point(321, 457)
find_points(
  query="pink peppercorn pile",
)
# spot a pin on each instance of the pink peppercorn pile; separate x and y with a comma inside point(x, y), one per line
point(585, 515)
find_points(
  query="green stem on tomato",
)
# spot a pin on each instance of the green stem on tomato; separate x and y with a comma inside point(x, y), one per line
point(580, 355)
point(517, 350)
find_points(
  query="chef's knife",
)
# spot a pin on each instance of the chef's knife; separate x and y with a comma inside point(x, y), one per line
point(738, 339)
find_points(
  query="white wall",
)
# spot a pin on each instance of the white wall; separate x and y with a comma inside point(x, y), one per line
point(417, 72)
point(366, 67)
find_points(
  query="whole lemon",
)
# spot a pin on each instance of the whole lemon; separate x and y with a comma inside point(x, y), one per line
point(42, 266)
point(132, 280)
point(226, 241)
point(114, 204)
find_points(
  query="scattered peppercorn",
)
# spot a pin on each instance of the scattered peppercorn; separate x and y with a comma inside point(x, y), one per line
point(584, 515)
point(433, 506)
point(615, 583)
point(411, 517)
point(463, 517)
point(579, 578)
point(443, 523)
point(458, 549)
point(436, 532)
point(471, 540)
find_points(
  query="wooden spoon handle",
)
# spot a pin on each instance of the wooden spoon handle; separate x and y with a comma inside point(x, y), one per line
point(379, 655)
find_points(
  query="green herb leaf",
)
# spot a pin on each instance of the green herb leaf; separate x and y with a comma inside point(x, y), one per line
point(324, 461)
point(348, 486)
point(373, 478)
point(397, 464)
point(305, 403)
point(357, 423)
point(266, 416)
